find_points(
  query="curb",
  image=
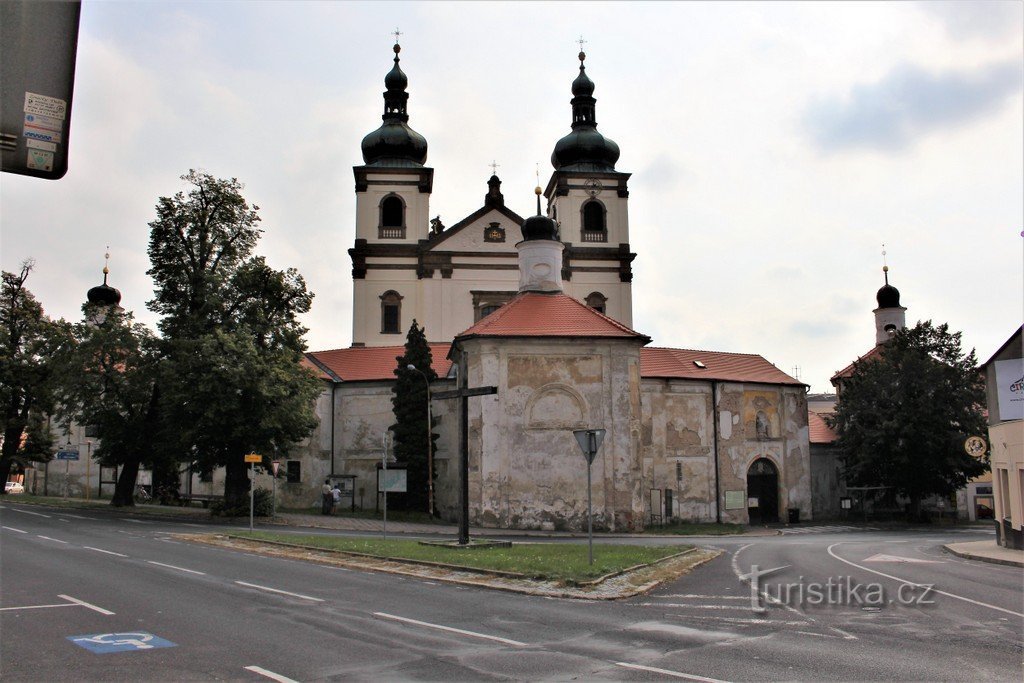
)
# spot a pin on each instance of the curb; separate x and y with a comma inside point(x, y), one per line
point(984, 558)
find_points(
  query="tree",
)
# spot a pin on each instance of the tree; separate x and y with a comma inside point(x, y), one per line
point(232, 380)
point(109, 380)
point(410, 407)
point(29, 341)
point(903, 416)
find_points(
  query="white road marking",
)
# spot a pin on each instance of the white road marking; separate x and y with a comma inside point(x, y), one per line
point(188, 524)
point(692, 605)
point(61, 519)
point(83, 603)
point(29, 512)
point(704, 597)
point(275, 590)
point(912, 583)
point(449, 629)
point(816, 635)
point(63, 604)
point(137, 521)
point(666, 672)
point(67, 514)
point(55, 540)
point(11, 528)
point(270, 674)
point(897, 558)
point(180, 569)
point(101, 550)
point(737, 620)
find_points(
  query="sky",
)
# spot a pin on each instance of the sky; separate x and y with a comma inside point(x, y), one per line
point(774, 148)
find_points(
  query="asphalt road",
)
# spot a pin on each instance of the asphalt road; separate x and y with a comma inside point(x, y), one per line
point(70, 578)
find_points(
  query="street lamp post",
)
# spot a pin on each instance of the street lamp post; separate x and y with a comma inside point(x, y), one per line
point(88, 462)
point(430, 445)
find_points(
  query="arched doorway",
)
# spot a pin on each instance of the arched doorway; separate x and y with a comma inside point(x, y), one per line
point(763, 492)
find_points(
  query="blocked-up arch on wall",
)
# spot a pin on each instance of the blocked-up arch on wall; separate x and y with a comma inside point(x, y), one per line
point(556, 406)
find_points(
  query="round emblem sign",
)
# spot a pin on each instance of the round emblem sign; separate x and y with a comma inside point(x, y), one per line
point(975, 445)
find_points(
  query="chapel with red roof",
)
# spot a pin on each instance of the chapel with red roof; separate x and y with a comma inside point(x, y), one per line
point(541, 309)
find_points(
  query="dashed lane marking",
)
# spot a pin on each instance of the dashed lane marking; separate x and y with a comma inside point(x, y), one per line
point(275, 590)
point(180, 569)
point(137, 521)
point(101, 550)
point(29, 512)
point(11, 528)
point(667, 672)
point(449, 629)
point(55, 540)
point(269, 674)
point(83, 603)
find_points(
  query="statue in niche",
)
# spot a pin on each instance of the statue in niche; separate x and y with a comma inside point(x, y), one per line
point(436, 226)
point(761, 426)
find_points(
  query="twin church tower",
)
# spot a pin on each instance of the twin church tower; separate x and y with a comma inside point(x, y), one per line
point(406, 266)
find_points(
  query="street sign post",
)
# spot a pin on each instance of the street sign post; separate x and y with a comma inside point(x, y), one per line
point(275, 466)
point(67, 454)
point(590, 441)
point(252, 459)
point(388, 441)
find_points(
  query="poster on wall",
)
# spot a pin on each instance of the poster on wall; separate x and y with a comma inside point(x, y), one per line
point(1010, 388)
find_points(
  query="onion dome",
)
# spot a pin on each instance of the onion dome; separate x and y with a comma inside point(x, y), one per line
point(395, 143)
point(888, 296)
point(584, 149)
point(104, 295)
point(539, 227)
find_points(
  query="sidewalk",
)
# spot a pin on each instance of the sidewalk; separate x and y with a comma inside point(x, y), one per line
point(987, 551)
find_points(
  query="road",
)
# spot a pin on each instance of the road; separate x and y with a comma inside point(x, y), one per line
point(69, 577)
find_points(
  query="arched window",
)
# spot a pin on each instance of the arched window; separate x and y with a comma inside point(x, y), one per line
point(596, 300)
point(593, 222)
point(391, 312)
point(392, 217)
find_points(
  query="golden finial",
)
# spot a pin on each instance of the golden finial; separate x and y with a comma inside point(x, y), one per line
point(885, 265)
point(106, 261)
point(494, 167)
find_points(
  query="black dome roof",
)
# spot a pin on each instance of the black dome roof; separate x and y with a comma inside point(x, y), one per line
point(584, 149)
point(888, 297)
point(104, 295)
point(539, 228)
point(395, 143)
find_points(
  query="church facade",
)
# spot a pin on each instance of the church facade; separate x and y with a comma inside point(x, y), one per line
point(541, 309)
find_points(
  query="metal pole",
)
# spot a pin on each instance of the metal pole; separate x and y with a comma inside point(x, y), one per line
point(273, 497)
point(252, 480)
point(590, 514)
point(88, 462)
point(385, 462)
point(67, 477)
point(463, 453)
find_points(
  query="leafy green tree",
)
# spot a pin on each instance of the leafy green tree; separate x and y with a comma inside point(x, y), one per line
point(109, 380)
point(410, 406)
point(232, 381)
point(902, 418)
point(29, 341)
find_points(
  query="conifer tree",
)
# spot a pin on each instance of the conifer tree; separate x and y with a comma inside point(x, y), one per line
point(410, 407)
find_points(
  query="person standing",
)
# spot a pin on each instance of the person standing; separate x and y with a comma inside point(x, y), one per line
point(328, 497)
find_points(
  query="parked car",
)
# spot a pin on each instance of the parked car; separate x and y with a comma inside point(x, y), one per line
point(14, 487)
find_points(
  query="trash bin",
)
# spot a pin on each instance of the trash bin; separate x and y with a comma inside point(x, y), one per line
point(794, 515)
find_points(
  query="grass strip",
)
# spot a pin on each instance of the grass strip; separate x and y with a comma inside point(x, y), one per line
point(540, 561)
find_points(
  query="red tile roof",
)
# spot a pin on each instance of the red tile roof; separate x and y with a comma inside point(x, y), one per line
point(820, 432)
point(848, 370)
point(371, 363)
point(534, 314)
point(728, 367)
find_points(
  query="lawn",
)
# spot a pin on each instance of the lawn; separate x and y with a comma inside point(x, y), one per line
point(552, 561)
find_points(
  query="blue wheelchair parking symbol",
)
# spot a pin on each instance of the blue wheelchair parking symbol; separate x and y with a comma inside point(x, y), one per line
point(104, 643)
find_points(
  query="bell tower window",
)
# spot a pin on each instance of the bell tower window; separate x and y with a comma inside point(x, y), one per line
point(391, 312)
point(597, 300)
point(594, 228)
point(392, 217)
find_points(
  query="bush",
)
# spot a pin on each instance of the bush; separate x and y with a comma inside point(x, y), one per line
point(263, 506)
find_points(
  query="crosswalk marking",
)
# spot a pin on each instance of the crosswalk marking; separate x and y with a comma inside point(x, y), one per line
point(825, 529)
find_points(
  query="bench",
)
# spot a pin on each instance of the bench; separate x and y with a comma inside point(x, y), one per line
point(204, 498)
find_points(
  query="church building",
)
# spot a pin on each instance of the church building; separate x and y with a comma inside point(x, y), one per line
point(541, 309)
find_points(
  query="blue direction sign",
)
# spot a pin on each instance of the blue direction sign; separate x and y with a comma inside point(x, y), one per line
point(67, 455)
point(105, 643)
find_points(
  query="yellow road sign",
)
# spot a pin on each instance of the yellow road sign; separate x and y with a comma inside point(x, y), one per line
point(253, 457)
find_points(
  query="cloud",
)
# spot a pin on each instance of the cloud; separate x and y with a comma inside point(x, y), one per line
point(907, 103)
point(972, 19)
